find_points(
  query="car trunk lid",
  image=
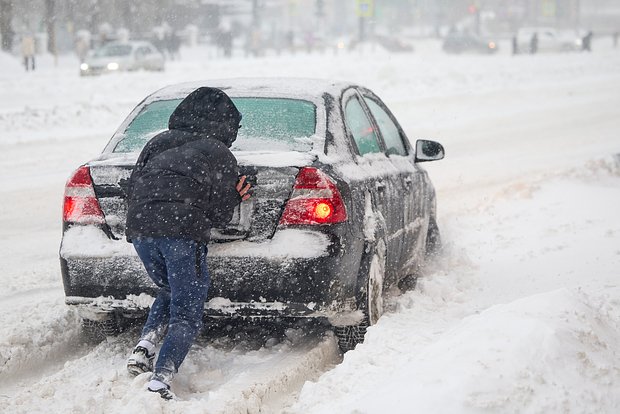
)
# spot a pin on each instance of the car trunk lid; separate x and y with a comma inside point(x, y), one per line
point(256, 219)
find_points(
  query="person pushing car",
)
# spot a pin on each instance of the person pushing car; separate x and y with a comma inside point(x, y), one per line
point(185, 181)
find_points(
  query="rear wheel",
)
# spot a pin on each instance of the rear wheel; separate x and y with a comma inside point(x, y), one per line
point(371, 301)
point(433, 238)
point(97, 331)
point(350, 336)
point(374, 303)
point(107, 324)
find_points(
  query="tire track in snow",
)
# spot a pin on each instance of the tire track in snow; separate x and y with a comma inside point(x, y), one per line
point(40, 334)
point(274, 384)
point(213, 379)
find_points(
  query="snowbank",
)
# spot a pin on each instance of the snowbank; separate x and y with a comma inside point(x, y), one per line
point(29, 342)
point(542, 353)
point(521, 314)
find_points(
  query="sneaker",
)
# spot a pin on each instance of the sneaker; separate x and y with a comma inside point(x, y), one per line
point(162, 389)
point(165, 393)
point(140, 361)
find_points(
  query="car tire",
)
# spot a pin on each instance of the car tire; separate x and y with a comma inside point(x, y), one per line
point(97, 331)
point(371, 298)
point(409, 282)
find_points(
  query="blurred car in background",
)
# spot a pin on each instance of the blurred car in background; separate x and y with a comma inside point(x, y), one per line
point(123, 56)
point(462, 42)
point(548, 40)
point(393, 43)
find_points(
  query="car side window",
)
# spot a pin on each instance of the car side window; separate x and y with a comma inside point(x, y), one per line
point(362, 130)
point(142, 51)
point(389, 130)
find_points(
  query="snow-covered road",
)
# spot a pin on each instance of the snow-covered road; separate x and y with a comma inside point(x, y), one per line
point(520, 314)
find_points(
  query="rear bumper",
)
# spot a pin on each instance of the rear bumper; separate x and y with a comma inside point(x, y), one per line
point(247, 279)
point(236, 279)
point(102, 308)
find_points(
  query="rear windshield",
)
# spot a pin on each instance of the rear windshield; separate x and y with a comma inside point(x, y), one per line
point(266, 124)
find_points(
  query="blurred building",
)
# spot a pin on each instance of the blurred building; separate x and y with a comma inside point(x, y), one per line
point(281, 23)
point(599, 15)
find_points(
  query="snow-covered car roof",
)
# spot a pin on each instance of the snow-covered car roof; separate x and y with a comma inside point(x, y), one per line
point(300, 88)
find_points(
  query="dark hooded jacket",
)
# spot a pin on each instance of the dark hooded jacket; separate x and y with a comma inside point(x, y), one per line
point(184, 180)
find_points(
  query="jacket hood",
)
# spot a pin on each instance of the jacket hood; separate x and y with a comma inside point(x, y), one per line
point(209, 112)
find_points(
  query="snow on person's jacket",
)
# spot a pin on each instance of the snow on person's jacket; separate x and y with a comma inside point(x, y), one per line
point(184, 181)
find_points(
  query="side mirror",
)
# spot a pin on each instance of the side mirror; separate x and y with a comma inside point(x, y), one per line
point(426, 150)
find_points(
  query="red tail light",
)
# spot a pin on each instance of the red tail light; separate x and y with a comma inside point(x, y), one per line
point(315, 200)
point(81, 205)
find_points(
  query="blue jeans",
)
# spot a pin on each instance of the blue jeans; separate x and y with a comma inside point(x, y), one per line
point(179, 268)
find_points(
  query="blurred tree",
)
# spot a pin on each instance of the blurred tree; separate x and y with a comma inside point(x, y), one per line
point(256, 14)
point(50, 26)
point(6, 27)
point(320, 8)
point(127, 10)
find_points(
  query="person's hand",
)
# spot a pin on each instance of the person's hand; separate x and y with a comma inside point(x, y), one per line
point(243, 190)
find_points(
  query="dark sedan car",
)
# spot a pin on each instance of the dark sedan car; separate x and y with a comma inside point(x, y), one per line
point(341, 210)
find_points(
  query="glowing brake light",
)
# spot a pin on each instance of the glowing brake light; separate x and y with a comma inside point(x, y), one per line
point(315, 200)
point(81, 205)
point(322, 210)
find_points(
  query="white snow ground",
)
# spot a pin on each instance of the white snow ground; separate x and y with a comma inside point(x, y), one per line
point(520, 314)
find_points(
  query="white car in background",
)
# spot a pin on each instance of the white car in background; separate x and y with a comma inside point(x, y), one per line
point(123, 56)
point(549, 40)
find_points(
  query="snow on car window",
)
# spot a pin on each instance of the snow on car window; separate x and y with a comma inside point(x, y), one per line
point(267, 123)
point(113, 50)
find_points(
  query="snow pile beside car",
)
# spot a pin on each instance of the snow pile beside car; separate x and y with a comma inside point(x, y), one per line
point(504, 323)
point(27, 341)
point(542, 353)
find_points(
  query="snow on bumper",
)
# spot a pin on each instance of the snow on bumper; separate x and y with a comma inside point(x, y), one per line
point(92, 242)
